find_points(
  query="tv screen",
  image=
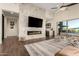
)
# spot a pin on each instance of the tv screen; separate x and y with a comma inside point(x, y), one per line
point(34, 22)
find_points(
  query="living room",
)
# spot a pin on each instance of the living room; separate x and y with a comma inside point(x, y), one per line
point(37, 29)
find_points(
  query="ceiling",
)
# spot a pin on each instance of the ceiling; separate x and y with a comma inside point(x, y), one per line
point(46, 5)
point(49, 6)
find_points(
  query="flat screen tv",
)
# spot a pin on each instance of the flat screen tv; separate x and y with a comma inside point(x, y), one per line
point(34, 22)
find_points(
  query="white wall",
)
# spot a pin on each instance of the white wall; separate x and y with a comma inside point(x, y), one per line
point(49, 29)
point(5, 27)
point(70, 13)
point(9, 7)
point(49, 19)
point(14, 31)
point(0, 26)
point(34, 11)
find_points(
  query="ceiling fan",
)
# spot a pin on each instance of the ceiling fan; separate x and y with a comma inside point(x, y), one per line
point(63, 6)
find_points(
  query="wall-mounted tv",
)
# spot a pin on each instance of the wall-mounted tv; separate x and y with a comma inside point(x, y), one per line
point(34, 22)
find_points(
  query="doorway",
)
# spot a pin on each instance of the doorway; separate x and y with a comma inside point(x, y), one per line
point(10, 21)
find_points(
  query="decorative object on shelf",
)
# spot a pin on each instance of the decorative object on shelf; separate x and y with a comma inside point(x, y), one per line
point(48, 25)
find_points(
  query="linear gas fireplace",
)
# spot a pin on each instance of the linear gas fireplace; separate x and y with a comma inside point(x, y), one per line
point(33, 32)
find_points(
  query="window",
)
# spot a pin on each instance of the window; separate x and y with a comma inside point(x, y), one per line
point(71, 26)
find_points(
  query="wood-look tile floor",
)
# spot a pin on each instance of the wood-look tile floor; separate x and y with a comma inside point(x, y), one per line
point(12, 47)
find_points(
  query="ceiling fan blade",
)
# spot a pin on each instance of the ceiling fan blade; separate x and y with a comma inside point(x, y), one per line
point(69, 5)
